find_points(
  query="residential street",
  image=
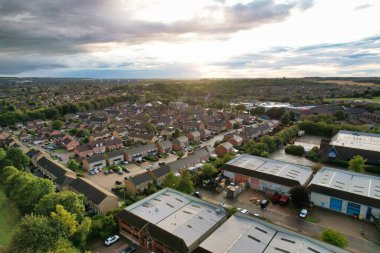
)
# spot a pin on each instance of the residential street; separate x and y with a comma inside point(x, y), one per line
point(287, 217)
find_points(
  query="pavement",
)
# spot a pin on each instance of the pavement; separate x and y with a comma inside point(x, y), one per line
point(97, 246)
point(288, 217)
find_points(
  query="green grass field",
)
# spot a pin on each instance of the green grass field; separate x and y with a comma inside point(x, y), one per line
point(374, 100)
point(9, 217)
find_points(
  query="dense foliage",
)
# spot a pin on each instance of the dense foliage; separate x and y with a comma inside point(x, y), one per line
point(334, 238)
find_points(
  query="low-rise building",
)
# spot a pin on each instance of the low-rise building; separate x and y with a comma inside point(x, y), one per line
point(170, 221)
point(115, 157)
point(164, 147)
point(99, 199)
point(194, 136)
point(59, 174)
point(225, 147)
point(160, 174)
point(242, 233)
point(180, 143)
point(346, 144)
point(267, 175)
point(346, 192)
point(136, 154)
point(94, 162)
point(138, 183)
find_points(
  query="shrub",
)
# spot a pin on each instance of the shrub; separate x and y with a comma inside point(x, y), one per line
point(334, 238)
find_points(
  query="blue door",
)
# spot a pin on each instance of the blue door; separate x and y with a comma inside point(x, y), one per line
point(336, 204)
point(353, 209)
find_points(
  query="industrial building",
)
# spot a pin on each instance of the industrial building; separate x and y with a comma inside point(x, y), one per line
point(170, 221)
point(243, 233)
point(346, 192)
point(267, 175)
point(346, 144)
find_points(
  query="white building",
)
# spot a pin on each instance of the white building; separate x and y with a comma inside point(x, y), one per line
point(265, 174)
point(242, 233)
point(347, 192)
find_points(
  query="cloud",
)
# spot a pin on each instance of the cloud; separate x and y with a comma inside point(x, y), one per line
point(363, 6)
point(69, 26)
point(339, 58)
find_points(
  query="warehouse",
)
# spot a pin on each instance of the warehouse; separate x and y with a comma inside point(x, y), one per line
point(170, 221)
point(346, 192)
point(265, 174)
point(243, 233)
point(346, 144)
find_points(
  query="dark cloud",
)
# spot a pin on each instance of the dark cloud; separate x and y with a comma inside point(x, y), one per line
point(69, 26)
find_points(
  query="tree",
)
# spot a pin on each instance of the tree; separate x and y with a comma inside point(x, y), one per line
point(295, 150)
point(171, 181)
point(257, 111)
point(79, 238)
point(180, 153)
point(236, 125)
point(285, 119)
point(34, 234)
point(73, 165)
point(176, 134)
point(150, 128)
point(64, 219)
point(18, 158)
point(334, 238)
point(275, 112)
point(357, 164)
point(316, 167)
point(300, 196)
point(103, 226)
point(208, 170)
point(71, 201)
point(241, 107)
point(64, 246)
point(272, 145)
point(185, 183)
point(57, 124)
point(3, 154)
point(264, 154)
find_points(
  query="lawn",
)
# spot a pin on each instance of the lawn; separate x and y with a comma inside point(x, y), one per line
point(373, 100)
point(9, 217)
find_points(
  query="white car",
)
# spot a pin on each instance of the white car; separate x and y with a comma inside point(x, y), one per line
point(96, 171)
point(112, 239)
point(125, 162)
point(257, 215)
point(303, 213)
point(245, 211)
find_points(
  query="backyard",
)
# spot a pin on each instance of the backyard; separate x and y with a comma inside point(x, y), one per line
point(9, 219)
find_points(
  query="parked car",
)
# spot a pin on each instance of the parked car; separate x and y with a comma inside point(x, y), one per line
point(126, 170)
point(130, 249)
point(120, 172)
point(257, 215)
point(303, 213)
point(96, 171)
point(91, 172)
point(284, 200)
point(197, 194)
point(110, 171)
point(244, 211)
point(125, 162)
point(149, 167)
point(161, 163)
point(264, 203)
point(118, 182)
point(106, 172)
point(112, 239)
point(276, 198)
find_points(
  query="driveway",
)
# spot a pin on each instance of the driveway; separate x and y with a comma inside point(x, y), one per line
point(288, 217)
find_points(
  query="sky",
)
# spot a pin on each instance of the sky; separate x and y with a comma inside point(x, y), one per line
point(189, 38)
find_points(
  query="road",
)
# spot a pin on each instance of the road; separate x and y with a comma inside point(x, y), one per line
point(291, 222)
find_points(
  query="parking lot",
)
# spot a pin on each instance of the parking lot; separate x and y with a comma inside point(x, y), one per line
point(97, 246)
point(362, 235)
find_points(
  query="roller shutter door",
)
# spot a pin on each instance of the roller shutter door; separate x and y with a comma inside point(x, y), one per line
point(336, 204)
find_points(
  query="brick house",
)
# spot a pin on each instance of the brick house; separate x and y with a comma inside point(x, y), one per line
point(138, 183)
point(194, 136)
point(223, 148)
point(94, 162)
point(180, 143)
point(164, 147)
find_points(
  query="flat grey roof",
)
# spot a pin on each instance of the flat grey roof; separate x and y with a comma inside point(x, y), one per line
point(273, 167)
point(357, 140)
point(243, 233)
point(182, 215)
point(356, 183)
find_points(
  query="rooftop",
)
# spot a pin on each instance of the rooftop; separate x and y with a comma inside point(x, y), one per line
point(357, 140)
point(287, 170)
point(182, 215)
point(242, 233)
point(355, 183)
